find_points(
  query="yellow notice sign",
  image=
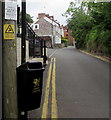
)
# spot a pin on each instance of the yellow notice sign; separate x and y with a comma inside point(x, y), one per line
point(9, 31)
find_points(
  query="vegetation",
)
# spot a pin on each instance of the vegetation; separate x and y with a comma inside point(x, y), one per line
point(28, 18)
point(64, 40)
point(91, 26)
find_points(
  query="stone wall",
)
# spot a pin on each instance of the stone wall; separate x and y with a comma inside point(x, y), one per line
point(45, 28)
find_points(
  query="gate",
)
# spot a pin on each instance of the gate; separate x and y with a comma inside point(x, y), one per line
point(35, 43)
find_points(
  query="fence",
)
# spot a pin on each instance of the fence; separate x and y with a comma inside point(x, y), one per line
point(36, 44)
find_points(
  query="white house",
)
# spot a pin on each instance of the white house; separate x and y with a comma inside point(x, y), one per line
point(49, 29)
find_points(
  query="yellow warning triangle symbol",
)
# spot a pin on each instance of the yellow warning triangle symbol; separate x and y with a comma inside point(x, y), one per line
point(9, 29)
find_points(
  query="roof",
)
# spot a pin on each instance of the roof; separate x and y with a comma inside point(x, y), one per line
point(47, 18)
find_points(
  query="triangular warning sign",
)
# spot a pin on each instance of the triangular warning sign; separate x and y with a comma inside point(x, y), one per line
point(9, 29)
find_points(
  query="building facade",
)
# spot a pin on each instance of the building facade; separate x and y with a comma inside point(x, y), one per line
point(68, 35)
point(46, 27)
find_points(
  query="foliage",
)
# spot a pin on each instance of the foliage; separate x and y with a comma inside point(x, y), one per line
point(28, 18)
point(64, 40)
point(91, 26)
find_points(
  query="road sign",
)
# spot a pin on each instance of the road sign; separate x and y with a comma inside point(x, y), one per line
point(9, 31)
point(11, 9)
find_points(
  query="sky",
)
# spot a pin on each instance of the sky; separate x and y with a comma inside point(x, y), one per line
point(52, 7)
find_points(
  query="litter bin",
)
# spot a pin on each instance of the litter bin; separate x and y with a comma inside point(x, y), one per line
point(29, 85)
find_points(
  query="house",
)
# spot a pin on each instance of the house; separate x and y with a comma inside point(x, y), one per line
point(68, 35)
point(48, 29)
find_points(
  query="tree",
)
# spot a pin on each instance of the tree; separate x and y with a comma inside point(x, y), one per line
point(28, 18)
point(90, 25)
point(79, 23)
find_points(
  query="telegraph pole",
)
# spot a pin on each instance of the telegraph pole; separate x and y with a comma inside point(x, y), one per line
point(9, 59)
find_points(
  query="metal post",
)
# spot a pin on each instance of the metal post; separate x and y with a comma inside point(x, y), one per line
point(52, 35)
point(18, 16)
point(34, 45)
point(45, 57)
point(41, 48)
point(18, 21)
point(23, 114)
point(23, 32)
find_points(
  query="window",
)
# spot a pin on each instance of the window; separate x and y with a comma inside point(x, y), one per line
point(36, 26)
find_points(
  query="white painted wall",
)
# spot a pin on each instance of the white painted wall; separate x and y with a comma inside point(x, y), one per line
point(19, 51)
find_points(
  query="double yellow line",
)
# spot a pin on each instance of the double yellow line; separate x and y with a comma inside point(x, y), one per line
point(51, 79)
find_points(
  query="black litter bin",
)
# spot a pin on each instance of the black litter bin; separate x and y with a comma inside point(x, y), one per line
point(29, 85)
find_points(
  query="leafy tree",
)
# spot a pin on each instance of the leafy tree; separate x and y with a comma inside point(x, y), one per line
point(91, 26)
point(28, 18)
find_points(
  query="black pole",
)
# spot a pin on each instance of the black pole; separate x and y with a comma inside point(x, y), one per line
point(23, 114)
point(18, 15)
point(34, 45)
point(23, 32)
point(41, 48)
point(45, 57)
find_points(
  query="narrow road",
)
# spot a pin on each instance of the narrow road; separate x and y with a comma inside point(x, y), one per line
point(76, 86)
point(82, 84)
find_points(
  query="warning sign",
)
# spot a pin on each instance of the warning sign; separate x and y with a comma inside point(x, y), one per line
point(9, 31)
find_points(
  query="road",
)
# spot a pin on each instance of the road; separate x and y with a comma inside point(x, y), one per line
point(81, 85)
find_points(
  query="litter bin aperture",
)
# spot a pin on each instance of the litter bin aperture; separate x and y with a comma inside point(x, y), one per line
point(29, 85)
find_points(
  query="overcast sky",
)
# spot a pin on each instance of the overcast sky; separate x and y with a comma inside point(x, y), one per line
point(51, 7)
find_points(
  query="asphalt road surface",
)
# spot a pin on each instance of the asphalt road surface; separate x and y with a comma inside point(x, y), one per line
point(82, 84)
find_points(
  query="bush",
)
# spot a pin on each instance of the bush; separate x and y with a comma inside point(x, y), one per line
point(64, 40)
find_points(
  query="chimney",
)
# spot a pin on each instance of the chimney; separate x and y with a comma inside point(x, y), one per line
point(41, 15)
point(51, 17)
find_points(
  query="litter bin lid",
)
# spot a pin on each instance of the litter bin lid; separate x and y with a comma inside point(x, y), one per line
point(31, 65)
point(34, 65)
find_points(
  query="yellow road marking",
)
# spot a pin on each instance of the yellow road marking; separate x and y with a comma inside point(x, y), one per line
point(45, 104)
point(54, 101)
point(99, 57)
